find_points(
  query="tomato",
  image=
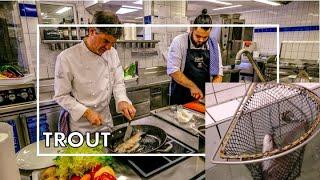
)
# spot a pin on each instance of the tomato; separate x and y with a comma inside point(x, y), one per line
point(105, 176)
point(74, 177)
point(86, 177)
point(94, 170)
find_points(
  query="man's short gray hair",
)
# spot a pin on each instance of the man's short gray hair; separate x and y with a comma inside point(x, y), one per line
point(103, 17)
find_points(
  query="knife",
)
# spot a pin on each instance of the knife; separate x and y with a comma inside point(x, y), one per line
point(202, 101)
point(128, 132)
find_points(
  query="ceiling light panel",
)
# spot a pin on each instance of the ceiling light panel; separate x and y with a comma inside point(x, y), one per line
point(268, 2)
point(62, 10)
point(131, 7)
point(220, 2)
point(227, 7)
point(125, 10)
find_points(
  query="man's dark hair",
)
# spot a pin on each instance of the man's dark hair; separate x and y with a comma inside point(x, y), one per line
point(103, 17)
point(203, 18)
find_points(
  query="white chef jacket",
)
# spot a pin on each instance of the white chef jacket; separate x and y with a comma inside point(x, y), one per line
point(86, 80)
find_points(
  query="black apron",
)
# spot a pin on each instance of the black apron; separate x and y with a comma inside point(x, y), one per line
point(197, 70)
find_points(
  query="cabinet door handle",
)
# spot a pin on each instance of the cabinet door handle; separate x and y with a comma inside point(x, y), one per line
point(156, 93)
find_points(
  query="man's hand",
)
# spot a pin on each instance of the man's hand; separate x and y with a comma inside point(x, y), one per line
point(196, 93)
point(217, 79)
point(127, 110)
point(93, 117)
point(181, 79)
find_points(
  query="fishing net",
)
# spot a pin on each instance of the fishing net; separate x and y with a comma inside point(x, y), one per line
point(288, 113)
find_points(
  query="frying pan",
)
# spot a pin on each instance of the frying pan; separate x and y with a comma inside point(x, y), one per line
point(152, 139)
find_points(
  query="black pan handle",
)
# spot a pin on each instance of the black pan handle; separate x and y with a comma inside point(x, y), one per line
point(167, 149)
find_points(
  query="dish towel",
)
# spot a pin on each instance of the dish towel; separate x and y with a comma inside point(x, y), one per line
point(63, 122)
point(214, 56)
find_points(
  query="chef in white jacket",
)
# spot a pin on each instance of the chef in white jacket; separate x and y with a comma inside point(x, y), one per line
point(86, 76)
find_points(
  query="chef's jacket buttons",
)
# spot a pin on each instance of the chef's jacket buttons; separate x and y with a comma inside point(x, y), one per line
point(95, 106)
point(93, 94)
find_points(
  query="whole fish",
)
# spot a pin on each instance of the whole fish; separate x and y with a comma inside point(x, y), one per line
point(281, 168)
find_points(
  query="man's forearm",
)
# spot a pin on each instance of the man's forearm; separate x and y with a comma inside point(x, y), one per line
point(181, 79)
point(217, 79)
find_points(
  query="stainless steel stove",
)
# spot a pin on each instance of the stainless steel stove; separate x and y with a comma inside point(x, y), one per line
point(148, 166)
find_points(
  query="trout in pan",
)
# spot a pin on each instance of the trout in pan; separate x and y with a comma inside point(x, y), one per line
point(130, 145)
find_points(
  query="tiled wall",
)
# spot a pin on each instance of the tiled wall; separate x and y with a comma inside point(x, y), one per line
point(128, 53)
point(220, 93)
point(29, 29)
point(300, 50)
point(303, 13)
point(146, 56)
point(82, 12)
point(47, 57)
point(166, 12)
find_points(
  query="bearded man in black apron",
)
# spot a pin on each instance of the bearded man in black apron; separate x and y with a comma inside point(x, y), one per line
point(191, 64)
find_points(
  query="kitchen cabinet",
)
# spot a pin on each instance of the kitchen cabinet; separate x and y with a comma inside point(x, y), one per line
point(144, 100)
point(139, 96)
point(156, 98)
point(140, 100)
point(159, 96)
point(24, 123)
point(15, 122)
point(48, 121)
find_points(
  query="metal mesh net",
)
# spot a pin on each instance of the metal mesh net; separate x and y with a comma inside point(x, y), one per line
point(288, 114)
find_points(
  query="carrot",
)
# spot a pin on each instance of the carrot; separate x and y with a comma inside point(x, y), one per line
point(196, 106)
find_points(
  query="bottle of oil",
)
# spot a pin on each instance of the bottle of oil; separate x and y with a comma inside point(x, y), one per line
point(82, 30)
point(65, 30)
point(73, 31)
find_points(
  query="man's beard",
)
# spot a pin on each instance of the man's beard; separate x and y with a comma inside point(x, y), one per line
point(195, 44)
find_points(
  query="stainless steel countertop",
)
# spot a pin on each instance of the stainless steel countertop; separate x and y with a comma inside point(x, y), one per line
point(147, 80)
point(144, 80)
point(291, 80)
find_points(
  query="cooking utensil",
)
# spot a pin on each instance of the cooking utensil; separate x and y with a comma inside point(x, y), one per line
point(289, 114)
point(128, 132)
point(152, 139)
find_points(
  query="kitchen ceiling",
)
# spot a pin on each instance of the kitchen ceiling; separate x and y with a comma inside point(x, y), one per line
point(194, 8)
point(114, 6)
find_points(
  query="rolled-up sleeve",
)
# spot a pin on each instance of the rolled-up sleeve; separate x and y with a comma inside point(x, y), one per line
point(174, 57)
point(119, 88)
point(62, 89)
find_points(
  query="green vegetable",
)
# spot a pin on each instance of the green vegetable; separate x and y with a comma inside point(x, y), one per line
point(12, 69)
point(131, 70)
point(78, 165)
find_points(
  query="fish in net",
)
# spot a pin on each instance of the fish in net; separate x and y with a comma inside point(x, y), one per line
point(273, 119)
